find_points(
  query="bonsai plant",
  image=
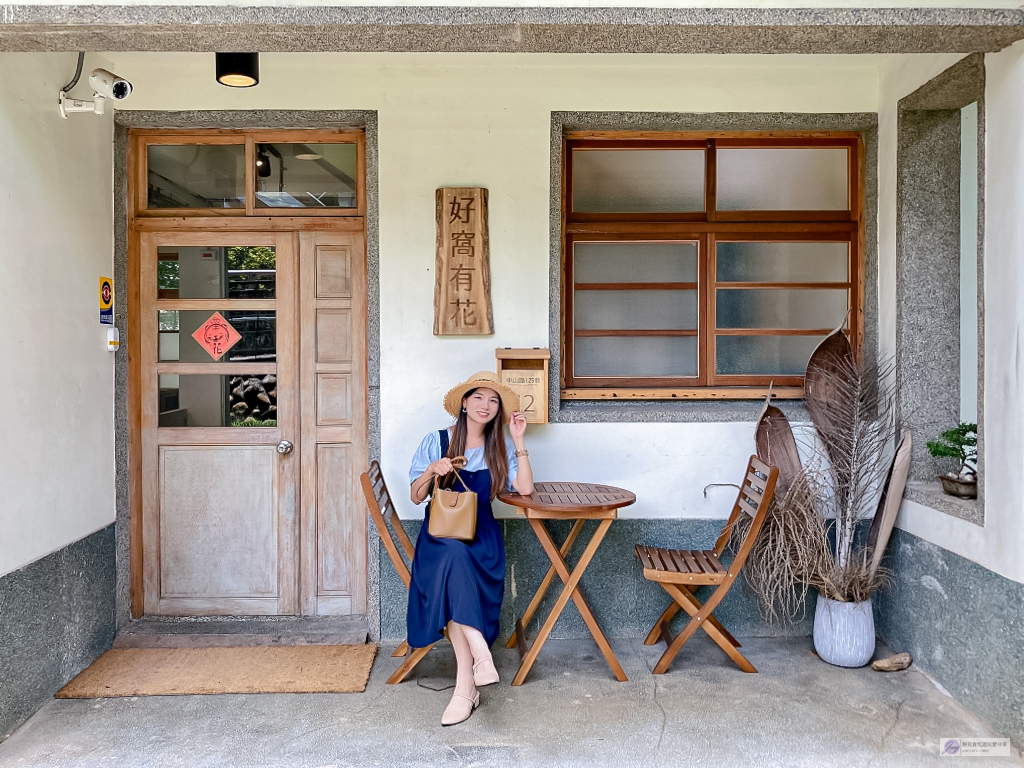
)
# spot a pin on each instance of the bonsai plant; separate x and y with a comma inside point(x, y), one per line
point(817, 533)
point(960, 443)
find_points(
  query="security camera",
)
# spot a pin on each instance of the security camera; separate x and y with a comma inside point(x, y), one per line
point(109, 86)
point(105, 85)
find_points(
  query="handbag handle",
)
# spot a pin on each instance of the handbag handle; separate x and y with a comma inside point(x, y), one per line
point(458, 462)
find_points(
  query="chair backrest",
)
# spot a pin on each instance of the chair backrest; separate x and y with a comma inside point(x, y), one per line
point(756, 492)
point(389, 526)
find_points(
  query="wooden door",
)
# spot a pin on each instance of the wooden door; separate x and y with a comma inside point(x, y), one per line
point(219, 397)
point(334, 384)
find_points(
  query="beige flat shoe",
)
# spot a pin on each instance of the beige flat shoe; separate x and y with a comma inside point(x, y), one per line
point(484, 673)
point(459, 709)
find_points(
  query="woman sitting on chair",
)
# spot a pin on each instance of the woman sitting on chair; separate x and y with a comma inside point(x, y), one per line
point(456, 584)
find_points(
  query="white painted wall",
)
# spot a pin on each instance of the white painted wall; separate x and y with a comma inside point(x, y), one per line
point(452, 120)
point(56, 241)
point(969, 263)
point(998, 544)
point(476, 119)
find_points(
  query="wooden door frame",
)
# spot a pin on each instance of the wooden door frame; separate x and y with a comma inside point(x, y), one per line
point(139, 224)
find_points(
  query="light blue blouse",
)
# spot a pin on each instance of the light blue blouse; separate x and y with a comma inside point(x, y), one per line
point(430, 451)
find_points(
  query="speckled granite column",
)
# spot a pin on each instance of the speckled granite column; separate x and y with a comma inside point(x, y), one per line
point(928, 270)
point(928, 277)
point(56, 616)
point(963, 624)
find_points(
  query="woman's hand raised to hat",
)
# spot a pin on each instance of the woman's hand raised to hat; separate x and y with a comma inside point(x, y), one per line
point(517, 427)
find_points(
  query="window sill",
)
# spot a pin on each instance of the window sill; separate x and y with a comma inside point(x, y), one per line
point(703, 393)
point(930, 494)
point(623, 410)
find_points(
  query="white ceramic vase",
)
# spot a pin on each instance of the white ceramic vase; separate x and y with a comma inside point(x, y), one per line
point(844, 633)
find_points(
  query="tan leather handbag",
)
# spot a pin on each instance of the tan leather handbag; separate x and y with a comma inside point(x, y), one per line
point(453, 513)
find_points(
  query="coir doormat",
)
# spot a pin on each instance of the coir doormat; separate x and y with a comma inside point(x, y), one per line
point(187, 671)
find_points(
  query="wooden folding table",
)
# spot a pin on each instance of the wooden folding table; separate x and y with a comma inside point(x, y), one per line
point(565, 501)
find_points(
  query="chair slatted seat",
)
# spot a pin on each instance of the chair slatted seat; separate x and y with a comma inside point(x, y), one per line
point(681, 571)
point(396, 542)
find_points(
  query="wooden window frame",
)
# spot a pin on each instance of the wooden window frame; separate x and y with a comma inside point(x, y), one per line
point(706, 228)
point(143, 138)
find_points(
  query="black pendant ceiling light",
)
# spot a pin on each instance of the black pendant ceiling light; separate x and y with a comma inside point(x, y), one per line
point(238, 70)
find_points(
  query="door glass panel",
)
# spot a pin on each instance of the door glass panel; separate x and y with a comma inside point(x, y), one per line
point(635, 310)
point(782, 262)
point(635, 356)
point(306, 176)
point(211, 400)
point(635, 262)
point(792, 179)
point(637, 180)
point(216, 272)
point(764, 355)
point(208, 336)
point(196, 176)
point(780, 308)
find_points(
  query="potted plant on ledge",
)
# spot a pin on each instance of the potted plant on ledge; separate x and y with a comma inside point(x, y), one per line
point(835, 510)
point(960, 443)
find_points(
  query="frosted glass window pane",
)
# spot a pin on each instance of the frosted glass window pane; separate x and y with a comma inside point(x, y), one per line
point(764, 355)
point(635, 262)
point(780, 308)
point(782, 262)
point(635, 310)
point(797, 179)
point(635, 356)
point(637, 180)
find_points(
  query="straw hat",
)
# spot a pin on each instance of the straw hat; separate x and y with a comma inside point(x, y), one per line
point(489, 379)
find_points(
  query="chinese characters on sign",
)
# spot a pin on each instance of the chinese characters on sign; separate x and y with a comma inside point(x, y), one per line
point(462, 291)
point(525, 372)
point(216, 336)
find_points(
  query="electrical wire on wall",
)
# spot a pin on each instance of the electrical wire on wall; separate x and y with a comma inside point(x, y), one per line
point(78, 73)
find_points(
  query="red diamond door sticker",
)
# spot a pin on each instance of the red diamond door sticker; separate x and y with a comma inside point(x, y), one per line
point(216, 336)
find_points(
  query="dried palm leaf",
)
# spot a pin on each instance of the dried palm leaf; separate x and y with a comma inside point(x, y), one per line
point(776, 445)
point(852, 412)
point(829, 365)
point(808, 539)
point(889, 504)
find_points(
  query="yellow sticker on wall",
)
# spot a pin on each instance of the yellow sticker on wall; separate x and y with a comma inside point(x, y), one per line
point(106, 301)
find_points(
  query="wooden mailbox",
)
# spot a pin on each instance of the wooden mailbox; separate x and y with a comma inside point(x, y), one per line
point(525, 371)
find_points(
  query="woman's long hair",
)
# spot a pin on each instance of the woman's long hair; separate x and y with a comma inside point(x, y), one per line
point(494, 445)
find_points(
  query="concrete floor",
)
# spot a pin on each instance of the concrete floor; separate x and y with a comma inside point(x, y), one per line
point(798, 711)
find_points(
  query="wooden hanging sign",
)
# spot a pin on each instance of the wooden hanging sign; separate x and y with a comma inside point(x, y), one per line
point(462, 287)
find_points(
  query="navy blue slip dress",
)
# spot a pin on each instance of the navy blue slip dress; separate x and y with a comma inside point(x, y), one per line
point(454, 580)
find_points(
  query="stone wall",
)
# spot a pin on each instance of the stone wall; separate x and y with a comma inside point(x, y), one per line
point(56, 617)
point(963, 624)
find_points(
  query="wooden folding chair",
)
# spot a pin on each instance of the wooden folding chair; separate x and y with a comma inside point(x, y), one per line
point(680, 572)
point(383, 512)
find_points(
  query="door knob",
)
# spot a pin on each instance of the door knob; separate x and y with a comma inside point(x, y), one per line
point(284, 447)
